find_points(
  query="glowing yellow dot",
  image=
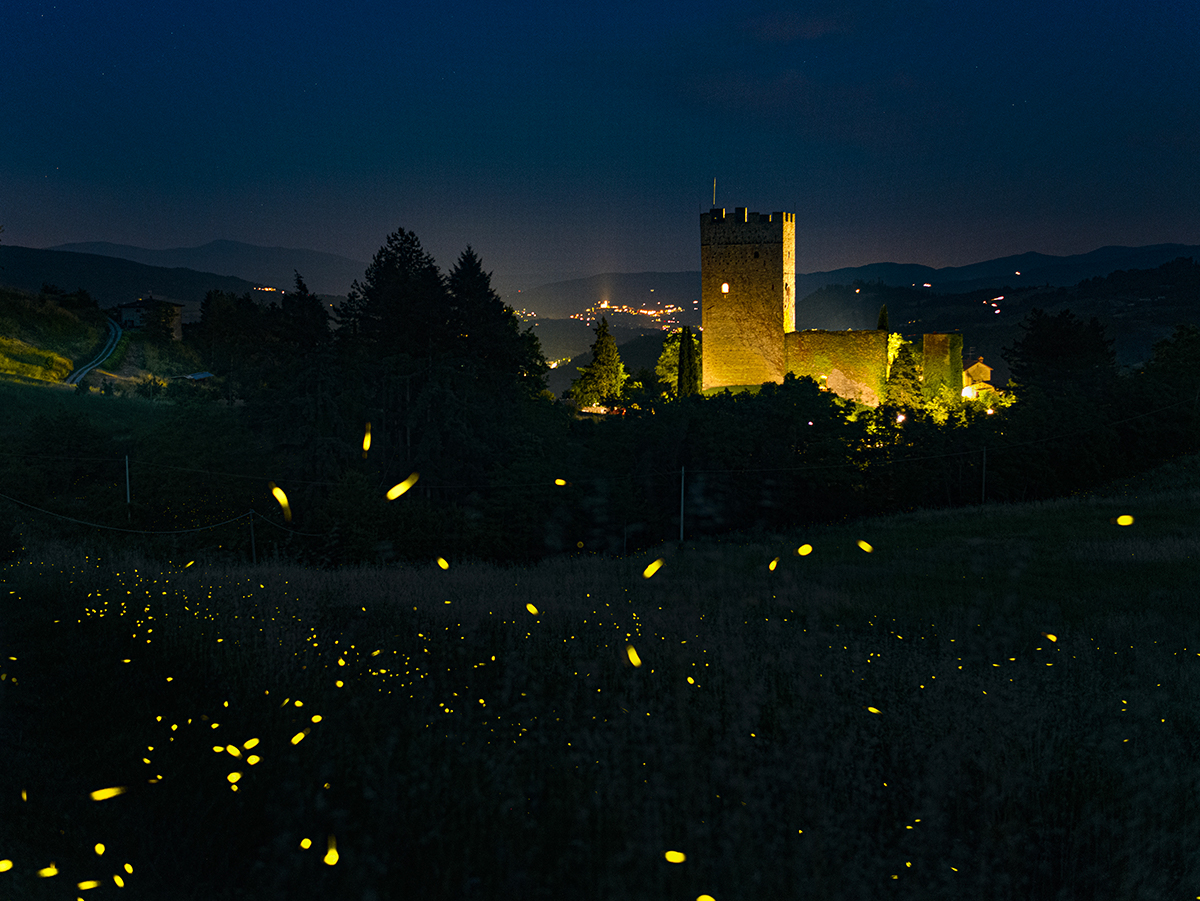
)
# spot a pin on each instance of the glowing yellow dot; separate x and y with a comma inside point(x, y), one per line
point(331, 855)
point(804, 550)
point(341, 661)
point(1125, 520)
point(652, 568)
point(5, 865)
point(234, 777)
point(560, 482)
point(129, 868)
point(232, 749)
point(397, 490)
point(873, 709)
point(367, 440)
point(99, 849)
point(298, 703)
point(47, 872)
point(299, 737)
point(705, 898)
point(691, 681)
point(91, 883)
point(442, 563)
point(252, 743)
point(866, 547)
point(675, 857)
point(633, 655)
point(316, 718)
point(532, 609)
point(253, 759)
point(339, 683)
point(103, 794)
point(1051, 637)
point(119, 881)
point(189, 563)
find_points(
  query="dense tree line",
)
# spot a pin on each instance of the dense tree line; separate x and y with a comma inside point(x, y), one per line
point(440, 374)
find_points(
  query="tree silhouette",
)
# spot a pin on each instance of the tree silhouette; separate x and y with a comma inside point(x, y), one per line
point(667, 367)
point(1059, 352)
point(490, 334)
point(604, 379)
point(304, 319)
point(688, 381)
point(400, 306)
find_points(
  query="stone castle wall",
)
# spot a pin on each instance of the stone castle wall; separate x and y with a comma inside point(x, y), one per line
point(852, 364)
point(942, 363)
point(748, 281)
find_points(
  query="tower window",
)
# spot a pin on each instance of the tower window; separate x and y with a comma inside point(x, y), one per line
point(725, 288)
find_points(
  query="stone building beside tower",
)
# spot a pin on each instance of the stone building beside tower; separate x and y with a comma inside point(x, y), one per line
point(749, 315)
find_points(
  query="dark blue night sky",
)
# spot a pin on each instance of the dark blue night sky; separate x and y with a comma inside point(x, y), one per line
point(563, 140)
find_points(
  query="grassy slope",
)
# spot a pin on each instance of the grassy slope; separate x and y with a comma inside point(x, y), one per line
point(487, 751)
point(41, 340)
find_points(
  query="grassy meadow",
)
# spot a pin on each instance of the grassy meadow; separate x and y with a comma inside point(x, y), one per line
point(989, 703)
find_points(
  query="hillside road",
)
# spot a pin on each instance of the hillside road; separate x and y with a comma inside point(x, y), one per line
point(114, 335)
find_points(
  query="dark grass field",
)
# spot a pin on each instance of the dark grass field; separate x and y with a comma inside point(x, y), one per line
point(990, 703)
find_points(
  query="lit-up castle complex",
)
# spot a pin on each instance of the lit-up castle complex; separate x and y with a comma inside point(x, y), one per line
point(748, 296)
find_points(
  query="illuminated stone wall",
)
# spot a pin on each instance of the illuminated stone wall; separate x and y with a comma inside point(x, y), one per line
point(943, 364)
point(852, 364)
point(754, 254)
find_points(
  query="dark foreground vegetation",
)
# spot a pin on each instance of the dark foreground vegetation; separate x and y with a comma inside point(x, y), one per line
point(991, 703)
point(802, 701)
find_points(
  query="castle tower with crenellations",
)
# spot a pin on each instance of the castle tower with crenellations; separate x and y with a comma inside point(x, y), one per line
point(748, 285)
point(748, 293)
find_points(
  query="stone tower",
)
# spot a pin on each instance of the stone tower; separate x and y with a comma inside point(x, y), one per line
point(748, 303)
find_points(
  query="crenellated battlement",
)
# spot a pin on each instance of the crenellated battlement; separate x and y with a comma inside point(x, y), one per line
point(744, 227)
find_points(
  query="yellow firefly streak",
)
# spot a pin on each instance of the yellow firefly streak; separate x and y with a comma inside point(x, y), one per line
point(5, 865)
point(331, 855)
point(866, 547)
point(804, 550)
point(873, 709)
point(442, 563)
point(46, 872)
point(675, 857)
point(299, 736)
point(774, 563)
point(1125, 520)
point(633, 655)
point(283, 501)
point(103, 794)
point(91, 883)
point(398, 490)
point(532, 609)
point(560, 482)
point(652, 568)
point(367, 440)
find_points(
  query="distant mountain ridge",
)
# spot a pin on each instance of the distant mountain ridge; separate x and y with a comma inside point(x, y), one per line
point(558, 300)
point(110, 280)
point(324, 273)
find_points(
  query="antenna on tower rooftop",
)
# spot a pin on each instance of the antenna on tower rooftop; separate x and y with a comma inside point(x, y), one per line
point(714, 193)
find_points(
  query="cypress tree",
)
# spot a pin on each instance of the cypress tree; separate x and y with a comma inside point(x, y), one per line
point(688, 381)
